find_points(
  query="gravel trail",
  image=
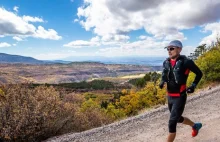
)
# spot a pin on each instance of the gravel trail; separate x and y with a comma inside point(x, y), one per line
point(152, 126)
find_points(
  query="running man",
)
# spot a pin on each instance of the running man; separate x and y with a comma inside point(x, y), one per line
point(176, 69)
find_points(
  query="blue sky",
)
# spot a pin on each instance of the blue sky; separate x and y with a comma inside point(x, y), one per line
point(59, 29)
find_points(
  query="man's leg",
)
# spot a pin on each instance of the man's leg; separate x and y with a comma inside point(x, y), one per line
point(171, 137)
point(172, 133)
point(178, 104)
point(172, 130)
point(187, 121)
point(195, 126)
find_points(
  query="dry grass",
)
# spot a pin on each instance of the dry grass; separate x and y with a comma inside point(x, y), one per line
point(35, 114)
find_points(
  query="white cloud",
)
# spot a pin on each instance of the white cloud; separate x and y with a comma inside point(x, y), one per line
point(215, 32)
point(32, 19)
point(147, 47)
point(13, 25)
point(116, 38)
point(46, 34)
point(4, 44)
point(76, 20)
point(121, 37)
point(17, 38)
point(187, 50)
point(16, 8)
point(142, 37)
point(163, 19)
point(121, 51)
point(14, 44)
point(97, 41)
point(112, 21)
point(81, 43)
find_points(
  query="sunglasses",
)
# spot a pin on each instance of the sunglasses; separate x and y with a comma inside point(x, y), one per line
point(170, 49)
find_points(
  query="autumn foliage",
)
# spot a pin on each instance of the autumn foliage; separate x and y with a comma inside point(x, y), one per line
point(28, 114)
point(37, 113)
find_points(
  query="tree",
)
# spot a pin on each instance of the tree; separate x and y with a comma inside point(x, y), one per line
point(114, 113)
point(140, 82)
point(147, 77)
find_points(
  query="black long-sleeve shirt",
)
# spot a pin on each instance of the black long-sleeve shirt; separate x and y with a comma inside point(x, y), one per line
point(175, 73)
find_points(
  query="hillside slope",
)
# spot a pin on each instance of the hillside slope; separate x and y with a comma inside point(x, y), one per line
point(66, 73)
point(152, 125)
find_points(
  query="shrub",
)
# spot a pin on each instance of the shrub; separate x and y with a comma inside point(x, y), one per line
point(36, 114)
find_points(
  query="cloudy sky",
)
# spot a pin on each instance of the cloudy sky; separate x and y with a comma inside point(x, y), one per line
point(61, 28)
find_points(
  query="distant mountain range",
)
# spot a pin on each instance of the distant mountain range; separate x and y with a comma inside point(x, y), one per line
point(149, 61)
point(7, 58)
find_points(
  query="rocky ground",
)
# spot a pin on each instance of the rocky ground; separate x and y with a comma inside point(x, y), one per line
point(151, 126)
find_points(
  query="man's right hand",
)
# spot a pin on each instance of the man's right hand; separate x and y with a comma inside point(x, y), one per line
point(161, 85)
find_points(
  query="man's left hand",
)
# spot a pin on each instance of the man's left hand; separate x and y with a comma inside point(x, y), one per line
point(190, 89)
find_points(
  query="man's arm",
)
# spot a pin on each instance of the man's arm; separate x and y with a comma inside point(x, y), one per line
point(195, 69)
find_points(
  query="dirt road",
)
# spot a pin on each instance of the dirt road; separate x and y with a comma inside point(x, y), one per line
point(152, 125)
